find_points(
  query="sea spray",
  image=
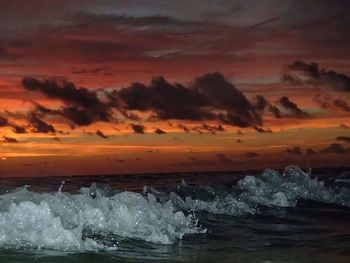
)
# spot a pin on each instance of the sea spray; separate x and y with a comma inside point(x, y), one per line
point(98, 218)
point(59, 220)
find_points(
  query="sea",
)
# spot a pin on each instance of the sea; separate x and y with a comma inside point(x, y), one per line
point(290, 215)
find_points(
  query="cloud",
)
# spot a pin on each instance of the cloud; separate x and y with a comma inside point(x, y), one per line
point(40, 126)
point(82, 106)
point(292, 107)
point(183, 127)
point(94, 71)
point(295, 151)
point(65, 91)
point(159, 131)
point(212, 129)
point(312, 74)
point(168, 101)
point(223, 95)
point(327, 102)
point(262, 130)
point(3, 121)
point(298, 151)
point(138, 128)
point(101, 134)
point(344, 126)
point(261, 104)
point(18, 129)
point(209, 97)
point(336, 148)
point(343, 138)
point(9, 140)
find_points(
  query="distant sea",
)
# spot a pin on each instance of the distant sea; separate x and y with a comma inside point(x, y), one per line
point(291, 215)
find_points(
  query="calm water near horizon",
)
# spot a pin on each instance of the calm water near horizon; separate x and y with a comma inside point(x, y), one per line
point(270, 216)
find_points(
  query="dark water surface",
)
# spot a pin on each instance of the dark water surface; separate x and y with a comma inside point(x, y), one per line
point(286, 216)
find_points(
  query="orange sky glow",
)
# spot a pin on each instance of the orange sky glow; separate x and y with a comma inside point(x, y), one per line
point(122, 88)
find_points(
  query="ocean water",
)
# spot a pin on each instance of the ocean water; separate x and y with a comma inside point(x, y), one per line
point(270, 216)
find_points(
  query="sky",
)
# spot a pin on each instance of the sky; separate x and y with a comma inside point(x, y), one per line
point(108, 87)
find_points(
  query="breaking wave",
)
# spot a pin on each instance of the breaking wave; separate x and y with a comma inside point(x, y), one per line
point(94, 219)
point(66, 222)
point(271, 189)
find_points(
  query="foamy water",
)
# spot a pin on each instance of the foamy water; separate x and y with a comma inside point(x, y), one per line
point(58, 220)
point(96, 219)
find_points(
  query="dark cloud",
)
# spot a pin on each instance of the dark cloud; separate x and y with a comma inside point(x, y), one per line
point(15, 128)
point(222, 94)
point(213, 129)
point(341, 104)
point(77, 116)
point(336, 148)
point(18, 129)
point(261, 104)
point(295, 150)
point(287, 77)
point(183, 127)
point(138, 128)
point(343, 138)
point(159, 131)
point(292, 107)
point(65, 91)
point(94, 71)
point(205, 128)
point(101, 134)
point(40, 126)
point(152, 151)
point(344, 126)
point(82, 106)
point(209, 97)
point(9, 140)
point(3, 121)
point(312, 74)
point(168, 101)
point(327, 102)
point(262, 130)
point(199, 101)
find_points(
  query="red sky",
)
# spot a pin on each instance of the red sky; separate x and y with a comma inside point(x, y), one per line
point(227, 85)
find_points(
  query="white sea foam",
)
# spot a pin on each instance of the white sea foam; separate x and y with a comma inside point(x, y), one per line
point(76, 222)
point(284, 190)
point(58, 221)
point(270, 189)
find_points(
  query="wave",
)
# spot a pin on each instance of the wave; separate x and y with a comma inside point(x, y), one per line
point(95, 219)
point(270, 189)
point(66, 222)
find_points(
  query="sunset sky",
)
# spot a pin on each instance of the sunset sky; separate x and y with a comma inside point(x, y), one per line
point(107, 87)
